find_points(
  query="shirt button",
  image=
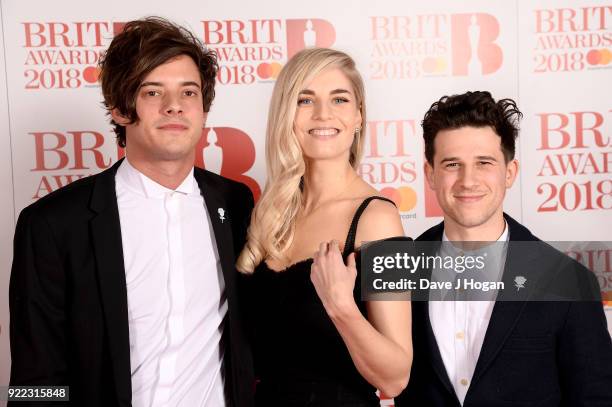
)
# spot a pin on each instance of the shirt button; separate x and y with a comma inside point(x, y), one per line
point(464, 382)
point(459, 335)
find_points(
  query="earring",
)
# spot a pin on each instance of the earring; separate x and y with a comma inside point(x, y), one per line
point(357, 132)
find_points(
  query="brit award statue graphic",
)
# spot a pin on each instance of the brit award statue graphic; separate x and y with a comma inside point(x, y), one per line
point(212, 154)
point(474, 64)
point(310, 35)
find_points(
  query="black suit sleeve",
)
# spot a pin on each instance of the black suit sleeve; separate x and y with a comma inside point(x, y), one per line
point(246, 202)
point(37, 305)
point(585, 356)
point(244, 286)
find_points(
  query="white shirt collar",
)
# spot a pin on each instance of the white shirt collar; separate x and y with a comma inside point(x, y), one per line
point(139, 183)
point(502, 238)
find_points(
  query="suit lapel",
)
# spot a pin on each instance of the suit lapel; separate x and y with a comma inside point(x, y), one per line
point(509, 307)
point(503, 319)
point(221, 222)
point(108, 251)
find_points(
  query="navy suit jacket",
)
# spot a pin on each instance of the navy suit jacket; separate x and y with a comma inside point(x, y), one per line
point(534, 353)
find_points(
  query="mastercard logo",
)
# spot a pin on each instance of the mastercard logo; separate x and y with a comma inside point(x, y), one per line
point(91, 74)
point(433, 65)
point(267, 70)
point(405, 198)
point(599, 56)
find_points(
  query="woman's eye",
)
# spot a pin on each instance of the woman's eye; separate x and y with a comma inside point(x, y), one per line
point(304, 101)
point(340, 100)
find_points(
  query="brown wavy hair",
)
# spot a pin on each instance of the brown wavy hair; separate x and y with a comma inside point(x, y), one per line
point(142, 46)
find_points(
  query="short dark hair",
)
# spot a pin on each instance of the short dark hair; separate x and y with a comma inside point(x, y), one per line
point(142, 46)
point(476, 109)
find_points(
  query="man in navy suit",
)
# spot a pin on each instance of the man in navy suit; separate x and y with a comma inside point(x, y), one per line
point(497, 353)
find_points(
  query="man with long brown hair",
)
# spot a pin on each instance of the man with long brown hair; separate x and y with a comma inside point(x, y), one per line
point(123, 285)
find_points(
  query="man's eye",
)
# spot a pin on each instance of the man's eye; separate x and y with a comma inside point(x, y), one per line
point(452, 165)
point(152, 93)
point(191, 93)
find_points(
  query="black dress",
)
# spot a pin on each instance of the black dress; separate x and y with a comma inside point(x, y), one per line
point(300, 358)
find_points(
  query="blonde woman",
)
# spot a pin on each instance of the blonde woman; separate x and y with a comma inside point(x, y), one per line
point(315, 342)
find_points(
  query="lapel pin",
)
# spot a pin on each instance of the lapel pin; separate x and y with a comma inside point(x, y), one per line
point(519, 282)
point(221, 213)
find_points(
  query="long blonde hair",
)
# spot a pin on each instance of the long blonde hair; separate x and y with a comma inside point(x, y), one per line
point(273, 220)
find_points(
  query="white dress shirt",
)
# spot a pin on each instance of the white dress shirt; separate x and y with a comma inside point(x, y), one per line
point(175, 289)
point(460, 328)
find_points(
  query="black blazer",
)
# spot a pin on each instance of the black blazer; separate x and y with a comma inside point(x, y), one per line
point(534, 353)
point(68, 296)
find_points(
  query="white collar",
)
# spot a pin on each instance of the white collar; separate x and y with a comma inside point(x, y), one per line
point(145, 186)
point(502, 238)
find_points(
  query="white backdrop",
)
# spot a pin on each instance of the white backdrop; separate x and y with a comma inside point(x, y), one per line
point(553, 57)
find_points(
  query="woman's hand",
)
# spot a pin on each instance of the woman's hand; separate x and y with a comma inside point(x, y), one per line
point(334, 281)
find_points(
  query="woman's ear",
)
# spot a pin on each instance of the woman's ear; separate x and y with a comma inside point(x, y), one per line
point(360, 119)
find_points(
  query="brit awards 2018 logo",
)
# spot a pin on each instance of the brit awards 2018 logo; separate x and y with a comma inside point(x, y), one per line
point(389, 162)
point(252, 51)
point(62, 157)
point(597, 257)
point(63, 55)
point(474, 50)
point(575, 161)
point(229, 152)
point(572, 39)
point(434, 45)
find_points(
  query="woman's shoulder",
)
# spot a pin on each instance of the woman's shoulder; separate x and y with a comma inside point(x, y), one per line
point(379, 220)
